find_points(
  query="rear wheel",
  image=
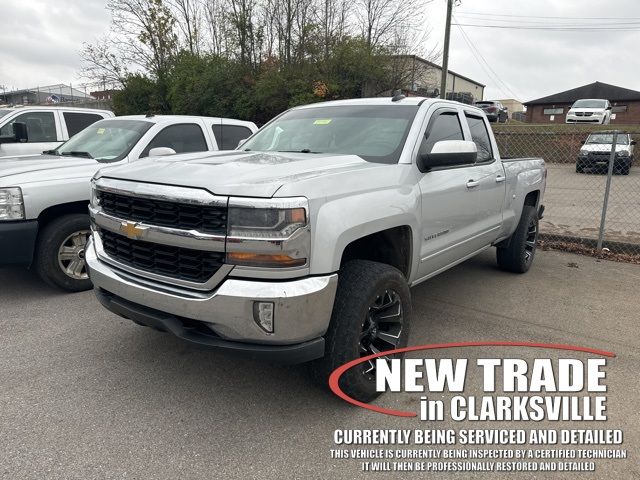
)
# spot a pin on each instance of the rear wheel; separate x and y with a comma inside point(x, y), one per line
point(371, 314)
point(518, 256)
point(60, 253)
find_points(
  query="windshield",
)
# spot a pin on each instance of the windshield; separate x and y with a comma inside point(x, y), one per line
point(374, 132)
point(4, 112)
point(607, 138)
point(106, 140)
point(590, 104)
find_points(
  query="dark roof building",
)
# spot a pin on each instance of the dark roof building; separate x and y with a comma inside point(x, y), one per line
point(553, 108)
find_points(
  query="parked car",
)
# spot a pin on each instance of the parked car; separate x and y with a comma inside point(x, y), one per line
point(494, 110)
point(44, 198)
point(595, 153)
point(302, 245)
point(590, 110)
point(42, 128)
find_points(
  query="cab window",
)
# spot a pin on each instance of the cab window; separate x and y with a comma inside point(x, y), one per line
point(480, 137)
point(446, 126)
point(41, 126)
point(182, 138)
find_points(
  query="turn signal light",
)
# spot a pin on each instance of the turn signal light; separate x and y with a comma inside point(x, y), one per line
point(264, 260)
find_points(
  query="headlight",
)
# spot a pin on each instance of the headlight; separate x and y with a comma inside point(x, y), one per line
point(270, 233)
point(93, 196)
point(11, 204)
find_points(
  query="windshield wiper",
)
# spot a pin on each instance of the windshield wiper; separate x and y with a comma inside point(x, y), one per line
point(50, 152)
point(76, 153)
point(304, 150)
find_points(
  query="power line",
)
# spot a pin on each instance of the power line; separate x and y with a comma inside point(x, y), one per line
point(486, 66)
point(538, 16)
point(559, 29)
point(539, 22)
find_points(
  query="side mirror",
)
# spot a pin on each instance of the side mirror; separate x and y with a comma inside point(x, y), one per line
point(608, 108)
point(633, 142)
point(582, 142)
point(161, 152)
point(19, 134)
point(448, 153)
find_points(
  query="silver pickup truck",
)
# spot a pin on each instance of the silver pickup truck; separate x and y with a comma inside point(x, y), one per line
point(302, 244)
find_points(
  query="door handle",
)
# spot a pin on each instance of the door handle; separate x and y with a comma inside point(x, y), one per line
point(472, 183)
point(500, 178)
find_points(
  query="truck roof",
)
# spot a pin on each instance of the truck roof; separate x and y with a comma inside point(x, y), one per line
point(57, 107)
point(176, 118)
point(386, 101)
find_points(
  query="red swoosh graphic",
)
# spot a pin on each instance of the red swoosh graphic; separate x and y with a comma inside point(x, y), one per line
point(334, 379)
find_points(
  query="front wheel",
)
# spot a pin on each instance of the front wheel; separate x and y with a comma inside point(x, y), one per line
point(518, 256)
point(371, 314)
point(60, 253)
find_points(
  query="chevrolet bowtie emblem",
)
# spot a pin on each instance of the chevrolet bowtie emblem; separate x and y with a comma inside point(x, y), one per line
point(132, 230)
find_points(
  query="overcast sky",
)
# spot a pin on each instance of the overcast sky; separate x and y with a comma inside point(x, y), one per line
point(41, 39)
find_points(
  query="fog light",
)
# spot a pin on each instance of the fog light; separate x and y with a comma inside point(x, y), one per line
point(263, 315)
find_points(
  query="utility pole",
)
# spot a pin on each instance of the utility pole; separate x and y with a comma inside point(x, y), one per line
point(445, 52)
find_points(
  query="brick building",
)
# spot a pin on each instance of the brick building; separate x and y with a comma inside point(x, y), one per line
point(553, 108)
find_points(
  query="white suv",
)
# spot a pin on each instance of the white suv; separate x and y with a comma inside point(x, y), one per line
point(590, 110)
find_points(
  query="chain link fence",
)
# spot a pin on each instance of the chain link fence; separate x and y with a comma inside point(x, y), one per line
point(593, 187)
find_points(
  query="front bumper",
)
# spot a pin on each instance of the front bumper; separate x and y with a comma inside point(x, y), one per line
point(17, 242)
point(595, 161)
point(224, 317)
point(584, 119)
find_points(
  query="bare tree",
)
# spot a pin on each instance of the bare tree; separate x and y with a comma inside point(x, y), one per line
point(103, 65)
point(188, 14)
point(215, 19)
point(379, 19)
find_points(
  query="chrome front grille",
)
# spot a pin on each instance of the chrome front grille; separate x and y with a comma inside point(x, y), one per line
point(210, 219)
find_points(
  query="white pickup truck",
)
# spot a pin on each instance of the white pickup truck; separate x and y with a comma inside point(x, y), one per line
point(44, 198)
point(29, 130)
point(302, 245)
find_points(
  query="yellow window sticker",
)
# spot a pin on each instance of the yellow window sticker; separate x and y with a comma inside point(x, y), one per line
point(325, 121)
point(100, 131)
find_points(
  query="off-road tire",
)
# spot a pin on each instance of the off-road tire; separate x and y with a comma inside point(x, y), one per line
point(50, 239)
point(514, 258)
point(360, 283)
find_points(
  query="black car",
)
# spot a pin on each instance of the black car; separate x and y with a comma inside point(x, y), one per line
point(495, 111)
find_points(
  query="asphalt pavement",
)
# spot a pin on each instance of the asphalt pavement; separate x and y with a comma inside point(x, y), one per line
point(574, 202)
point(85, 394)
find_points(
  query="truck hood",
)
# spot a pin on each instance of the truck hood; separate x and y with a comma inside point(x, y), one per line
point(255, 174)
point(15, 171)
point(603, 147)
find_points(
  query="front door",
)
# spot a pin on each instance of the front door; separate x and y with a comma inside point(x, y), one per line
point(461, 205)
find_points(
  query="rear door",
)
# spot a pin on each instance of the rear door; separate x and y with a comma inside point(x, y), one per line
point(43, 130)
point(489, 175)
point(75, 122)
point(228, 135)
